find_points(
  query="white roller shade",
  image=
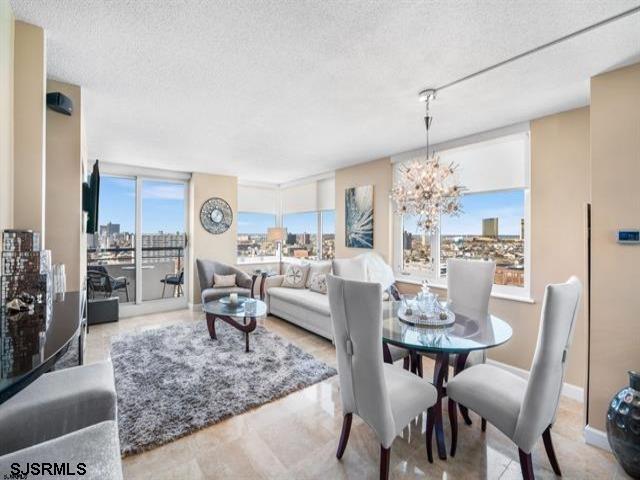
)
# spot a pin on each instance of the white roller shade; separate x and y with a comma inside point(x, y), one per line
point(258, 199)
point(300, 198)
point(327, 194)
point(498, 164)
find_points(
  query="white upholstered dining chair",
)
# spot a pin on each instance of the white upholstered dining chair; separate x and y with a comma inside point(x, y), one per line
point(469, 284)
point(525, 410)
point(387, 398)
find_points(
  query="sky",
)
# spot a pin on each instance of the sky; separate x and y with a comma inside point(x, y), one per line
point(508, 206)
point(163, 207)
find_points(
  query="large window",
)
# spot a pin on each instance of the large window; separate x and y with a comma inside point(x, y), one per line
point(491, 227)
point(310, 235)
point(302, 235)
point(493, 223)
point(138, 252)
point(252, 236)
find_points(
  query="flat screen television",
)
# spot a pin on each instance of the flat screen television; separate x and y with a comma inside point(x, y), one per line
point(91, 197)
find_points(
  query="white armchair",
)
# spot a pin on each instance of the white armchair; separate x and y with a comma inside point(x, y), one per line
point(524, 411)
point(385, 397)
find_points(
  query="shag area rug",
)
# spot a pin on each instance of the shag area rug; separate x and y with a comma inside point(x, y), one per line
point(175, 380)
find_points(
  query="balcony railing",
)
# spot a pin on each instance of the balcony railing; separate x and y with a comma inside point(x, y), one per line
point(157, 263)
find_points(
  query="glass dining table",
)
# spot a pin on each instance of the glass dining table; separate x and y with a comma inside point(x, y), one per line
point(461, 338)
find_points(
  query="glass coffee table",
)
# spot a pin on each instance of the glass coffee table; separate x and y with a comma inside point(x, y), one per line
point(242, 316)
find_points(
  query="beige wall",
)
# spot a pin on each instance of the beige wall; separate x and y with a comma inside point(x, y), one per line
point(203, 244)
point(6, 115)
point(29, 127)
point(65, 236)
point(559, 151)
point(615, 298)
point(379, 174)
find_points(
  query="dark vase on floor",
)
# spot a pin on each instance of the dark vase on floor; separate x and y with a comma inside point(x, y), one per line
point(623, 426)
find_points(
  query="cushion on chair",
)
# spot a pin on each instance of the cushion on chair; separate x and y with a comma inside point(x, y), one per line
point(211, 294)
point(409, 395)
point(492, 392)
point(223, 281)
point(97, 447)
point(58, 403)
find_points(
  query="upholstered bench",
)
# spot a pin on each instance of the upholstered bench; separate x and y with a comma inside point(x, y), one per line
point(56, 404)
point(94, 450)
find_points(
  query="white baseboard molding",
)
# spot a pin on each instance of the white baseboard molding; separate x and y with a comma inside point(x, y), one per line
point(149, 307)
point(195, 307)
point(596, 438)
point(573, 392)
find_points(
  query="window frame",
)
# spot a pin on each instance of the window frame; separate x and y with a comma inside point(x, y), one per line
point(510, 292)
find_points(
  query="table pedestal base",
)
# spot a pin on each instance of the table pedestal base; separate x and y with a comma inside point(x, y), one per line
point(243, 327)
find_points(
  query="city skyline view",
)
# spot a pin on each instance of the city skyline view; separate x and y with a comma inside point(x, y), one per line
point(163, 204)
point(507, 205)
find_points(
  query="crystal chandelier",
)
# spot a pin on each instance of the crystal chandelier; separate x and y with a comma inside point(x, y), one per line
point(426, 188)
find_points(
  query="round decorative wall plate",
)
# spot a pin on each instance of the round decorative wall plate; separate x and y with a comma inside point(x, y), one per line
point(216, 215)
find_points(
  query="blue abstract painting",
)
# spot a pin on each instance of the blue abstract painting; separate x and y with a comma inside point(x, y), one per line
point(359, 217)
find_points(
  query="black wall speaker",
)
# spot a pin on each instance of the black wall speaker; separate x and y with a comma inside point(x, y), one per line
point(60, 103)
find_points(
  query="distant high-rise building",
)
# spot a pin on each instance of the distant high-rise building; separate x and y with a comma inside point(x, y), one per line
point(109, 229)
point(490, 227)
point(407, 239)
point(522, 229)
point(291, 238)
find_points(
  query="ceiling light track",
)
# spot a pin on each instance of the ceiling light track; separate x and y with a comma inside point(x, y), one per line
point(590, 28)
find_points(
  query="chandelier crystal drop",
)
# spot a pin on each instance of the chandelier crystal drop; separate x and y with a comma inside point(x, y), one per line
point(427, 188)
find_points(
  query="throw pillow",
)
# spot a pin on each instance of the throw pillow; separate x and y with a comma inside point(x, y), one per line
point(296, 276)
point(318, 283)
point(222, 281)
point(318, 268)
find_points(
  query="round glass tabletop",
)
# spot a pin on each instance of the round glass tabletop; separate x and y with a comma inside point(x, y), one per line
point(248, 308)
point(465, 335)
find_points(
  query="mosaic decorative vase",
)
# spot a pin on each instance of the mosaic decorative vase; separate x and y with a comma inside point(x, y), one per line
point(623, 426)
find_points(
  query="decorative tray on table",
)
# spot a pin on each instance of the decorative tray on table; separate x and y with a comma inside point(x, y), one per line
point(412, 314)
point(235, 305)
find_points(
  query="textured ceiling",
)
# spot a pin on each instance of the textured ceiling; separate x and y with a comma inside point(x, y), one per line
point(277, 90)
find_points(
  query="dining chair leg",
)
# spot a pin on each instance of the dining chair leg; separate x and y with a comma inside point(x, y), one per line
point(548, 446)
point(344, 435)
point(453, 421)
point(464, 412)
point(484, 425)
point(526, 465)
point(406, 363)
point(385, 455)
point(461, 363)
point(429, 434)
point(386, 354)
point(164, 285)
point(439, 375)
point(419, 361)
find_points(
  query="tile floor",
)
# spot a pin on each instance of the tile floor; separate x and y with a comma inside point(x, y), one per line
point(296, 437)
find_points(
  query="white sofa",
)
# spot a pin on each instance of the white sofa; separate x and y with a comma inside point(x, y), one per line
point(310, 310)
